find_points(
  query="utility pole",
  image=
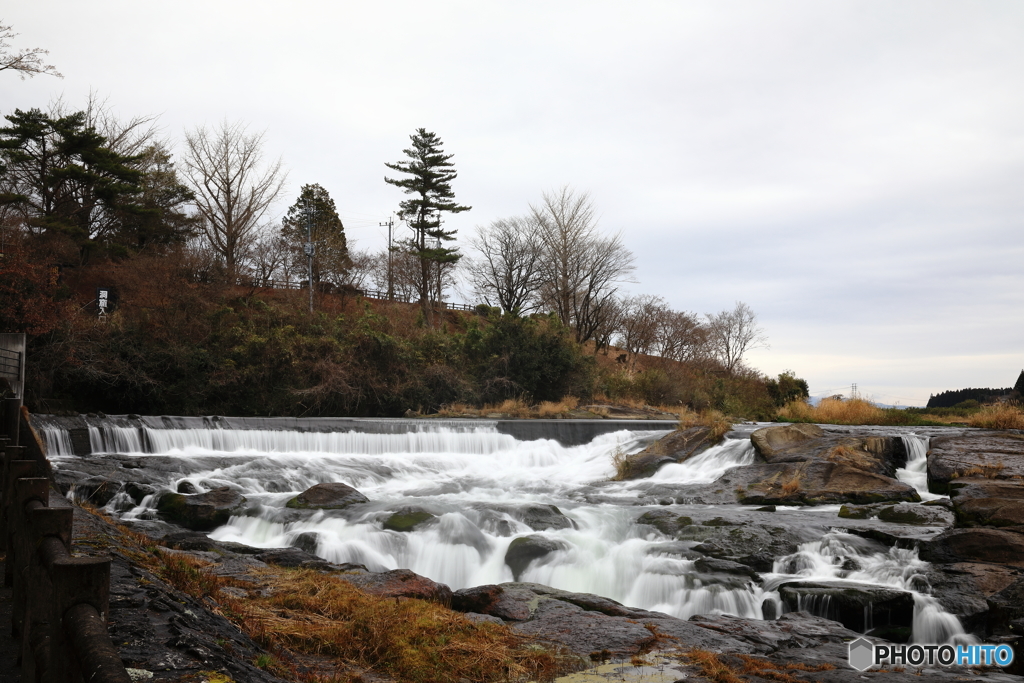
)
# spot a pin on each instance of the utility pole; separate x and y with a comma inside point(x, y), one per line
point(308, 248)
point(853, 390)
point(391, 276)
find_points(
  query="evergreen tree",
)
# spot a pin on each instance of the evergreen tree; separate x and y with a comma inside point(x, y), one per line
point(430, 173)
point(1019, 386)
point(60, 177)
point(331, 261)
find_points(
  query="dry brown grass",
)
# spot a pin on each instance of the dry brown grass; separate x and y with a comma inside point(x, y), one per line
point(987, 471)
point(853, 411)
point(714, 669)
point(623, 464)
point(792, 485)
point(999, 416)
point(409, 640)
point(551, 408)
point(714, 420)
point(305, 612)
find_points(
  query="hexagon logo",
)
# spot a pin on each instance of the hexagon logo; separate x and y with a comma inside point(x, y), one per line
point(861, 654)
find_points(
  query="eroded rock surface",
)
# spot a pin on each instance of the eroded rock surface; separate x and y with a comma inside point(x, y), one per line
point(332, 496)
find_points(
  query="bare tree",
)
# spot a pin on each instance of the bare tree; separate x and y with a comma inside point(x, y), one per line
point(640, 324)
point(681, 337)
point(580, 269)
point(732, 333)
point(507, 271)
point(233, 188)
point(26, 61)
point(267, 258)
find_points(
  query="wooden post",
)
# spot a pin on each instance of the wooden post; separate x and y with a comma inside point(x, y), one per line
point(21, 543)
point(12, 419)
point(15, 469)
point(77, 581)
point(50, 530)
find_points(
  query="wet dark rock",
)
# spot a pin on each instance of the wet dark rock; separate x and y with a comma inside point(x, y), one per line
point(909, 513)
point(96, 491)
point(189, 540)
point(537, 516)
point(159, 629)
point(333, 496)
point(995, 546)
point(293, 557)
point(981, 453)
point(753, 545)
point(665, 521)
point(793, 630)
point(203, 511)
point(186, 487)
point(964, 589)
point(988, 502)
point(679, 446)
point(407, 519)
point(858, 511)
point(399, 583)
point(137, 492)
point(308, 541)
point(585, 623)
point(848, 602)
point(527, 549)
point(715, 566)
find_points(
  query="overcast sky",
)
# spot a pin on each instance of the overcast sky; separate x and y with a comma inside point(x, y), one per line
point(854, 171)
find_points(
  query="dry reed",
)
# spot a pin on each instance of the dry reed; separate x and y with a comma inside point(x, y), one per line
point(999, 416)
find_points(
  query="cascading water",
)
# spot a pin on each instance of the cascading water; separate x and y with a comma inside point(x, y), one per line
point(841, 557)
point(476, 482)
point(916, 471)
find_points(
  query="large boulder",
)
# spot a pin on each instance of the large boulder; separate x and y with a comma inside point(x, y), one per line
point(964, 589)
point(994, 546)
point(679, 446)
point(981, 453)
point(582, 623)
point(333, 496)
point(988, 502)
point(814, 483)
point(807, 442)
point(527, 549)
point(537, 516)
point(771, 442)
point(202, 511)
point(859, 607)
point(918, 515)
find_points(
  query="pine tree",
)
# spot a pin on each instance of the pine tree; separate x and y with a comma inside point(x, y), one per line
point(1019, 386)
point(431, 173)
point(331, 261)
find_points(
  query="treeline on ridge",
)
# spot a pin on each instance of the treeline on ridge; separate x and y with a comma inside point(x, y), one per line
point(203, 326)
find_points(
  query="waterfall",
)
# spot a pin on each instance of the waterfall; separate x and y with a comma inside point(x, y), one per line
point(483, 489)
point(916, 471)
point(842, 557)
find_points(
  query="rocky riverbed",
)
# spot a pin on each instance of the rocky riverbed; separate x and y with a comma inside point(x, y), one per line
point(784, 542)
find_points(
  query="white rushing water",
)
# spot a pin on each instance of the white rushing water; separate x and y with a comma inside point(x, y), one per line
point(480, 485)
point(916, 471)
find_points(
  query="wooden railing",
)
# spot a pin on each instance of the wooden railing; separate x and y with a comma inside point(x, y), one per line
point(367, 293)
point(60, 602)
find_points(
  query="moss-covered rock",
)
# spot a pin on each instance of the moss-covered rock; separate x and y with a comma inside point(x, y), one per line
point(407, 519)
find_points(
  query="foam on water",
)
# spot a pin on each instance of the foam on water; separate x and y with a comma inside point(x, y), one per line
point(475, 481)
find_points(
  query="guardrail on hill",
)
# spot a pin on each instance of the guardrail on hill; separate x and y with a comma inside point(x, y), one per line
point(60, 601)
point(367, 293)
